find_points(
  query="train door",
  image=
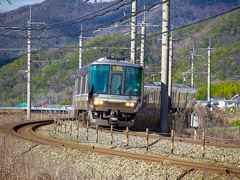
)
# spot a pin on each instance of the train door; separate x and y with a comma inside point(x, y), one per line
point(116, 87)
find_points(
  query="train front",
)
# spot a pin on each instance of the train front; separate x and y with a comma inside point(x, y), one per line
point(115, 90)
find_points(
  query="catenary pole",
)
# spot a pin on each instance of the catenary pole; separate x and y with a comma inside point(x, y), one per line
point(143, 32)
point(80, 49)
point(209, 72)
point(170, 67)
point(29, 65)
point(133, 32)
point(192, 68)
point(164, 68)
point(29, 70)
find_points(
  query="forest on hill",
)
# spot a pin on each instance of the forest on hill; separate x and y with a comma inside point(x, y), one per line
point(53, 68)
point(68, 14)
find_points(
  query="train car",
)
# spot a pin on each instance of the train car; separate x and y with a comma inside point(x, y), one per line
point(109, 92)
point(181, 97)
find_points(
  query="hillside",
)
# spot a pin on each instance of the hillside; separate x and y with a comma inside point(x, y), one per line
point(52, 68)
point(57, 11)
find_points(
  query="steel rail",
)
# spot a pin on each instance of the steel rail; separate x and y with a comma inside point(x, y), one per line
point(30, 134)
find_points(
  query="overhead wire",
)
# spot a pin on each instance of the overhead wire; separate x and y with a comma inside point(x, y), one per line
point(156, 33)
point(4, 6)
point(181, 27)
point(54, 25)
point(103, 25)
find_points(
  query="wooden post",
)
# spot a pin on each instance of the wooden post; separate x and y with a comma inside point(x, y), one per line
point(111, 134)
point(70, 128)
point(127, 136)
point(55, 123)
point(58, 125)
point(77, 129)
point(65, 130)
point(203, 146)
point(147, 139)
point(172, 141)
point(87, 132)
point(96, 133)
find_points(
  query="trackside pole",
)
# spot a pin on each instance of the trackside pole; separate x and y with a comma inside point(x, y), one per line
point(111, 134)
point(164, 69)
point(147, 139)
point(96, 133)
point(65, 129)
point(172, 134)
point(87, 132)
point(77, 129)
point(203, 146)
point(127, 136)
point(70, 128)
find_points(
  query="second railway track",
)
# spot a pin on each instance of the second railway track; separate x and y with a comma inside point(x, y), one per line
point(27, 131)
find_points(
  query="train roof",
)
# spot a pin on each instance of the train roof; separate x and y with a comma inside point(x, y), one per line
point(105, 60)
point(173, 87)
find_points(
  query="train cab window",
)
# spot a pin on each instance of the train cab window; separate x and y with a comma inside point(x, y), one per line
point(116, 84)
point(133, 81)
point(98, 80)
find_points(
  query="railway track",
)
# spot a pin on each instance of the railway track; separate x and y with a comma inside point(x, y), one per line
point(27, 131)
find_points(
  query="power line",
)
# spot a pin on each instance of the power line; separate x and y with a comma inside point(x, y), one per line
point(121, 42)
point(43, 27)
point(93, 28)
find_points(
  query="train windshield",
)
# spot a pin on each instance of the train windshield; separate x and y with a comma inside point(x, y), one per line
point(99, 79)
point(133, 81)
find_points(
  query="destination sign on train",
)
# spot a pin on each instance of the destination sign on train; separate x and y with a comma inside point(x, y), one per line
point(117, 68)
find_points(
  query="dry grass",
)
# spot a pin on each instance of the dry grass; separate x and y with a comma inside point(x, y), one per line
point(29, 166)
point(216, 127)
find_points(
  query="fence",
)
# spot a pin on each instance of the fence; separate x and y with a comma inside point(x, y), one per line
point(109, 138)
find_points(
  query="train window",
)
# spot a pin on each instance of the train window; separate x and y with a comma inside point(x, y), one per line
point(83, 84)
point(133, 81)
point(98, 80)
point(78, 84)
point(182, 98)
point(116, 84)
point(151, 96)
point(190, 96)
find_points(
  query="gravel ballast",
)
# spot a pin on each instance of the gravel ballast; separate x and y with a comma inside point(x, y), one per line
point(62, 163)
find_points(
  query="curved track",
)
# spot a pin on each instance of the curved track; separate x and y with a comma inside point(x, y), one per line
point(27, 131)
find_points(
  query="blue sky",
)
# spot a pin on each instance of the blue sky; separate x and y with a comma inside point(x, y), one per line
point(5, 6)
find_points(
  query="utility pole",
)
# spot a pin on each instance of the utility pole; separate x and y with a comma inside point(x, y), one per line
point(165, 68)
point(29, 70)
point(209, 71)
point(29, 65)
point(133, 32)
point(143, 41)
point(192, 67)
point(80, 49)
point(170, 67)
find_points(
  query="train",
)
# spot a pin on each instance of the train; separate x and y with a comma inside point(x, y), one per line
point(111, 91)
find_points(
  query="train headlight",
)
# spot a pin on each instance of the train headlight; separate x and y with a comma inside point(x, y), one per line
point(97, 102)
point(129, 104)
